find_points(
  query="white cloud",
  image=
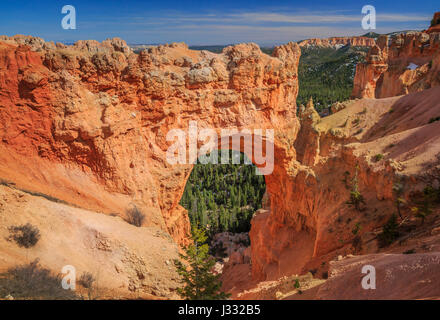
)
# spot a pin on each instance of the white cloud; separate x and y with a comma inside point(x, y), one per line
point(402, 17)
point(224, 34)
point(297, 18)
point(263, 27)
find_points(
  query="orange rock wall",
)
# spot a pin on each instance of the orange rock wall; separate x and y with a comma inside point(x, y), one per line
point(87, 123)
point(387, 71)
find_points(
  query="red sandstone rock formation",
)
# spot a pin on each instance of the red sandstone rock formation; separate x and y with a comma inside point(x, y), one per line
point(309, 218)
point(335, 41)
point(435, 27)
point(400, 65)
point(87, 124)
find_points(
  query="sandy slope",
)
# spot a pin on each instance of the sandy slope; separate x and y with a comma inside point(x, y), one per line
point(127, 261)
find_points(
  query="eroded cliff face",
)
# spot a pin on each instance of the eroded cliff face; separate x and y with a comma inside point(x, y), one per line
point(399, 65)
point(309, 222)
point(87, 123)
point(338, 41)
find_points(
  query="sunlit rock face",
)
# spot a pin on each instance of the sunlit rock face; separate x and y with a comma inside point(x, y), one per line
point(87, 123)
point(399, 65)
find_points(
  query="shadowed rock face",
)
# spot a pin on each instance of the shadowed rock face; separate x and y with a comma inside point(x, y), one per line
point(399, 65)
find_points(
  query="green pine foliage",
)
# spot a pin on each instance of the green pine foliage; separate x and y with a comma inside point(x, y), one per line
point(425, 206)
point(200, 283)
point(327, 74)
point(356, 198)
point(223, 197)
point(389, 232)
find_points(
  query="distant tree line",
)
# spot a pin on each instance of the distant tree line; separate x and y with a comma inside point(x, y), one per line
point(327, 74)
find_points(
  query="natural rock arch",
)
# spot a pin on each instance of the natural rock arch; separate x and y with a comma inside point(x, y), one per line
point(99, 114)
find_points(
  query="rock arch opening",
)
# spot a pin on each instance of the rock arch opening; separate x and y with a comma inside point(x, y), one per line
point(223, 197)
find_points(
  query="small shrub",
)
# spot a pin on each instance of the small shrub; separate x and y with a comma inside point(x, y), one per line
point(422, 212)
point(378, 157)
point(297, 284)
point(356, 228)
point(356, 198)
point(325, 275)
point(31, 281)
point(218, 251)
point(135, 217)
point(424, 208)
point(431, 194)
point(400, 201)
point(86, 280)
point(432, 120)
point(410, 251)
point(25, 235)
point(359, 131)
point(245, 242)
point(389, 232)
point(346, 179)
point(357, 243)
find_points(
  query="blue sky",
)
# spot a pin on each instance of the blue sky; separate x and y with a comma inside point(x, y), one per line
point(209, 22)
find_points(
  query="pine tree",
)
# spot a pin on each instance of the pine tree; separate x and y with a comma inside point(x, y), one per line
point(356, 198)
point(199, 281)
